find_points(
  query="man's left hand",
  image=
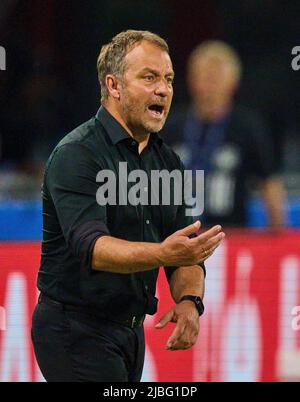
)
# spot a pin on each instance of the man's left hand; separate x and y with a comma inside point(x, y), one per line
point(186, 331)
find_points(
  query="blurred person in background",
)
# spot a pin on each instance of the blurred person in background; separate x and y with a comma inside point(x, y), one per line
point(229, 142)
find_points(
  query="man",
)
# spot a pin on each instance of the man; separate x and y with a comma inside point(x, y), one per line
point(227, 141)
point(100, 261)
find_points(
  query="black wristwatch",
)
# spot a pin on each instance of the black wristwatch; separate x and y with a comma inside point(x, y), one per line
point(197, 300)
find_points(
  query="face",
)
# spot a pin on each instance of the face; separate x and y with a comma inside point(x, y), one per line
point(146, 90)
point(211, 80)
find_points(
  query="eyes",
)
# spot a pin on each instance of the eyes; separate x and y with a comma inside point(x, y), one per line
point(152, 78)
point(149, 77)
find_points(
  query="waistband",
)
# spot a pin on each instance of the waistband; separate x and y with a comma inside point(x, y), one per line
point(133, 321)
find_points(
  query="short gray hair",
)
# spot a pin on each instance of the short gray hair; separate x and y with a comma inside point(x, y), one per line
point(112, 55)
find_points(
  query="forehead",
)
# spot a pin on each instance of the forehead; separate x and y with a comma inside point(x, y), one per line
point(148, 55)
point(211, 62)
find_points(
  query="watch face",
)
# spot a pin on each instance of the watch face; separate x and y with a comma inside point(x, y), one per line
point(198, 302)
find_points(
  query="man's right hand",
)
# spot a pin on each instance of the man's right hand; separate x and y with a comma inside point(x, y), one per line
point(179, 250)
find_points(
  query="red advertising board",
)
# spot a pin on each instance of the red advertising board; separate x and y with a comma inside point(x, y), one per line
point(250, 330)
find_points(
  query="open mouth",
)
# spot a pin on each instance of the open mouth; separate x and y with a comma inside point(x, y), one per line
point(156, 110)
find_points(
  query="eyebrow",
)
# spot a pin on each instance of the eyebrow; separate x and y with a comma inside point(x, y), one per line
point(156, 73)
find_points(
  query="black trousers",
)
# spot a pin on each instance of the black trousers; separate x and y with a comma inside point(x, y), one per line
point(74, 346)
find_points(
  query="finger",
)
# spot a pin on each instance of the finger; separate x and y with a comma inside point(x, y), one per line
point(176, 334)
point(165, 319)
point(187, 339)
point(204, 249)
point(212, 249)
point(182, 343)
point(188, 230)
point(204, 237)
point(214, 241)
point(208, 253)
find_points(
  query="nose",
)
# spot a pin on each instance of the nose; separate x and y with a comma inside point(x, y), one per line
point(163, 89)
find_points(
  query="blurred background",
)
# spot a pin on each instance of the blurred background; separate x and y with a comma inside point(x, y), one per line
point(50, 86)
point(50, 83)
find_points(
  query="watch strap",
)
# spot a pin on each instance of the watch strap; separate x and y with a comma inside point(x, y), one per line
point(197, 300)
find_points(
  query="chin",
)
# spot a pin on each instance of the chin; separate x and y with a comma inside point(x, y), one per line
point(154, 127)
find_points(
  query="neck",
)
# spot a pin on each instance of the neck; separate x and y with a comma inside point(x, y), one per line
point(141, 137)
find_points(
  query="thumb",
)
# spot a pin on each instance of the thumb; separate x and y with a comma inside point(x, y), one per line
point(165, 319)
point(188, 230)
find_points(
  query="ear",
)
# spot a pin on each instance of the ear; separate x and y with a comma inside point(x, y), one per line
point(113, 86)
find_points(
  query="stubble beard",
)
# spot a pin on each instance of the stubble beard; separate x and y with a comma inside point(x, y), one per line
point(134, 112)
